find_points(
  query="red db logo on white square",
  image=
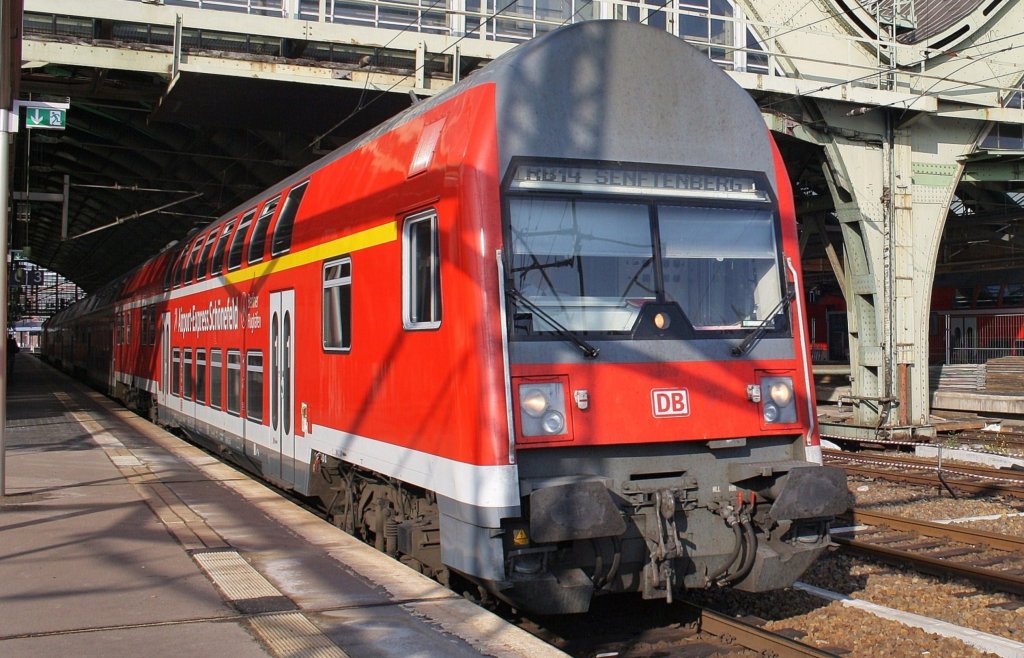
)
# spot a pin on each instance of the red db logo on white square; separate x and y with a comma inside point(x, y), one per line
point(667, 402)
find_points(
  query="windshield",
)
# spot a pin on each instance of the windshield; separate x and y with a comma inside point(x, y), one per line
point(580, 261)
point(720, 264)
point(591, 266)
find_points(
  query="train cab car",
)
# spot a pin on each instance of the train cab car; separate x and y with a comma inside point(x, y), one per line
point(543, 332)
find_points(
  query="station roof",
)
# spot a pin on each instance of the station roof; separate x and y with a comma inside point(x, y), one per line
point(146, 161)
point(150, 158)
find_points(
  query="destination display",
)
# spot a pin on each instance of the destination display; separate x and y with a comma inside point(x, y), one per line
point(634, 180)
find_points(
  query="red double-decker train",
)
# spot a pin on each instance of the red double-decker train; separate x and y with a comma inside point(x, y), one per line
point(543, 331)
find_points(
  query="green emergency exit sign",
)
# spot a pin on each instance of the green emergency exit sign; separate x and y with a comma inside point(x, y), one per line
point(43, 114)
point(41, 117)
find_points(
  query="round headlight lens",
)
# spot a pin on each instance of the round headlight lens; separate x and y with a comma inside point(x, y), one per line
point(771, 413)
point(553, 423)
point(662, 321)
point(781, 394)
point(533, 402)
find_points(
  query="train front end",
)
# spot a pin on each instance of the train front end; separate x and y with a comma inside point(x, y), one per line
point(662, 412)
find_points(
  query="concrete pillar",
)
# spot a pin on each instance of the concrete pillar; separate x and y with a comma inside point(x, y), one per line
point(891, 164)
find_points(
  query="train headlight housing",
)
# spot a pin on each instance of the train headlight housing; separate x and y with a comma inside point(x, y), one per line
point(542, 409)
point(777, 404)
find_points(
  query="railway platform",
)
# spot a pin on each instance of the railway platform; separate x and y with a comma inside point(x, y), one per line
point(118, 538)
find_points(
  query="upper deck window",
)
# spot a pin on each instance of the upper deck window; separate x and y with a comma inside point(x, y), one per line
point(258, 241)
point(193, 260)
point(204, 259)
point(173, 266)
point(217, 262)
point(238, 242)
point(179, 266)
point(282, 241)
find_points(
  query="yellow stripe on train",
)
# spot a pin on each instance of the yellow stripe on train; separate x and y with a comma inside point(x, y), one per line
point(371, 237)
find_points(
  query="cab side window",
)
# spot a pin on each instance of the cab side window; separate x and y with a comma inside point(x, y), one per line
point(421, 272)
point(337, 306)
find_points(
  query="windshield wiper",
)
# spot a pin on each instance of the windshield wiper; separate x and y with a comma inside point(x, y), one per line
point(588, 350)
point(758, 331)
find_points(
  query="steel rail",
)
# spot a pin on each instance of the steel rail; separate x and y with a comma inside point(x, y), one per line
point(969, 479)
point(984, 541)
point(754, 638)
point(930, 463)
point(943, 530)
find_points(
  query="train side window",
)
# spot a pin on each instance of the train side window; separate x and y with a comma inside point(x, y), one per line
point(421, 272)
point(204, 259)
point(258, 241)
point(337, 307)
point(216, 377)
point(987, 296)
point(217, 262)
point(282, 241)
point(201, 376)
point(176, 372)
point(152, 324)
point(254, 385)
point(179, 266)
point(186, 376)
point(238, 242)
point(234, 381)
point(1013, 295)
point(190, 269)
point(963, 298)
point(172, 264)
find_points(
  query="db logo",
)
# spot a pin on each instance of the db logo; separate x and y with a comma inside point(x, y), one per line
point(670, 402)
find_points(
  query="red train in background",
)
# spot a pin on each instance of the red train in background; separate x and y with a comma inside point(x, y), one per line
point(543, 331)
point(974, 317)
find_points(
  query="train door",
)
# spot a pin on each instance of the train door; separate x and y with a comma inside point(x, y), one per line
point(282, 379)
point(962, 338)
point(165, 361)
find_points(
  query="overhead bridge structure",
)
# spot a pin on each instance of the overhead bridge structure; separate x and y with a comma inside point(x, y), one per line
point(900, 121)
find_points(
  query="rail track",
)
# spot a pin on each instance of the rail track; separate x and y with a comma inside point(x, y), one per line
point(652, 628)
point(1008, 439)
point(965, 478)
point(940, 549)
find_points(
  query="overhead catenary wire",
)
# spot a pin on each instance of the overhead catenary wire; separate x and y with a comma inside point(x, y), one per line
point(952, 52)
point(360, 107)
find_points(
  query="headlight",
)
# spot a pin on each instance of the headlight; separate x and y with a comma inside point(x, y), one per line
point(777, 400)
point(532, 401)
point(542, 409)
point(781, 393)
point(553, 423)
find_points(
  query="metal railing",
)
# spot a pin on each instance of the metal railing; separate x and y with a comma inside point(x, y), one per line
point(722, 31)
point(977, 338)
